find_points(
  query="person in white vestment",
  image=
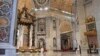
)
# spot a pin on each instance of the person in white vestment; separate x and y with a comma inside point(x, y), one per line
point(42, 52)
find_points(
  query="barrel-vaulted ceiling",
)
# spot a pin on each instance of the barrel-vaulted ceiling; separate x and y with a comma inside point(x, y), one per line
point(64, 5)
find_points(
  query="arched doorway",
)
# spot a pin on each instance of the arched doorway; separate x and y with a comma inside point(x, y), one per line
point(41, 43)
point(66, 41)
point(66, 35)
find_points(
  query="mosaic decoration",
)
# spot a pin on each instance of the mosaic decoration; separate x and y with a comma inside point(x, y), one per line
point(4, 8)
point(3, 34)
point(4, 22)
point(41, 3)
point(5, 18)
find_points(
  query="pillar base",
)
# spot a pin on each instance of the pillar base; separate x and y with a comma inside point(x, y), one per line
point(7, 50)
point(99, 51)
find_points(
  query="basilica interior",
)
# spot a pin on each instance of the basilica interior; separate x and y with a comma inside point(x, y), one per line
point(59, 27)
point(51, 24)
point(48, 26)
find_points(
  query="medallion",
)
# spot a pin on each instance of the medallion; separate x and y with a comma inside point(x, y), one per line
point(4, 21)
point(5, 18)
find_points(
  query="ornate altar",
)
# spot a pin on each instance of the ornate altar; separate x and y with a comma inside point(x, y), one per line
point(25, 29)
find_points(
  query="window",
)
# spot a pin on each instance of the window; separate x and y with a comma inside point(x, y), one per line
point(41, 24)
point(54, 24)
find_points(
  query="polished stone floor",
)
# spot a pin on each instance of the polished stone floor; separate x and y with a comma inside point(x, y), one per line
point(50, 53)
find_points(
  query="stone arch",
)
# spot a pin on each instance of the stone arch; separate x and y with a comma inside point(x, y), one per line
point(65, 26)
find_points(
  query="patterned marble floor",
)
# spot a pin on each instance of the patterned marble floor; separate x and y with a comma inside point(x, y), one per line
point(56, 54)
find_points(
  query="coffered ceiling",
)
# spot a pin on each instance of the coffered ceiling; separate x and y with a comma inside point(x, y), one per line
point(64, 5)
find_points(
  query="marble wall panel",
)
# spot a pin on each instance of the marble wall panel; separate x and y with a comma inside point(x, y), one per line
point(5, 19)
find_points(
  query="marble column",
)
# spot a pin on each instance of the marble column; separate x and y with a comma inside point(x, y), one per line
point(7, 19)
point(74, 33)
point(20, 36)
point(31, 32)
point(36, 30)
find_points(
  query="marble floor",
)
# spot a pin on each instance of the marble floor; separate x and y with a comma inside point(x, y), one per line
point(51, 53)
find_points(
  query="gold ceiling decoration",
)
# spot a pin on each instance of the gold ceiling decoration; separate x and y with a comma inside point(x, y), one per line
point(41, 3)
point(64, 5)
point(28, 3)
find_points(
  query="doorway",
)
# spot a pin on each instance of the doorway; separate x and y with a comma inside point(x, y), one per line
point(66, 43)
point(41, 44)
